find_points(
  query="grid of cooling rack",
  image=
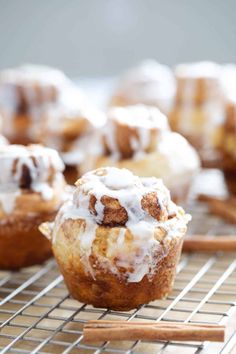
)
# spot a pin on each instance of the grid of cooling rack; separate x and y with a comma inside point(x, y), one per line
point(37, 314)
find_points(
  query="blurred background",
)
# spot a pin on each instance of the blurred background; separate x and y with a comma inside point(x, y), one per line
point(101, 38)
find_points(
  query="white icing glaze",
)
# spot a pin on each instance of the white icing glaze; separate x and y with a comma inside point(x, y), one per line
point(140, 117)
point(228, 81)
point(38, 160)
point(149, 83)
point(3, 140)
point(176, 159)
point(202, 69)
point(27, 74)
point(72, 105)
point(35, 84)
point(129, 190)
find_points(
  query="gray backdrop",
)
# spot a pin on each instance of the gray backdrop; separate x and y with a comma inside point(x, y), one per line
point(102, 37)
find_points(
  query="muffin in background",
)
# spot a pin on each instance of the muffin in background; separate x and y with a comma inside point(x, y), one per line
point(198, 109)
point(119, 240)
point(32, 189)
point(228, 144)
point(138, 138)
point(24, 92)
point(67, 126)
point(149, 83)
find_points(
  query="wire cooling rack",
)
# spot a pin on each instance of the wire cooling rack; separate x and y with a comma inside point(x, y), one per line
point(37, 314)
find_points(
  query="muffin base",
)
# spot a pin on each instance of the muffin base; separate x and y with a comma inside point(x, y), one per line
point(108, 290)
point(21, 243)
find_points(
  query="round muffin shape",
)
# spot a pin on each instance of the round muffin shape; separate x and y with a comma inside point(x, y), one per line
point(118, 241)
point(148, 83)
point(197, 111)
point(24, 92)
point(31, 192)
point(138, 138)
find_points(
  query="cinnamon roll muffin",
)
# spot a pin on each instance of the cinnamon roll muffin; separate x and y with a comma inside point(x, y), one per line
point(67, 126)
point(228, 145)
point(197, 112)
point(119, 240)
point(138, 138)
point(24, 91)
point(148, 83)
point(31, 192)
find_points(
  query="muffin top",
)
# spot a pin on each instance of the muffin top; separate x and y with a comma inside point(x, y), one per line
point(116, 197)
point(133, 130)
point(28, 167)
point(27, 75)
point(25, 89)
point(147, 81)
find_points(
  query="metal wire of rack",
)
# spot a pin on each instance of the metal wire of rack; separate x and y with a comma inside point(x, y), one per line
point(37, 315)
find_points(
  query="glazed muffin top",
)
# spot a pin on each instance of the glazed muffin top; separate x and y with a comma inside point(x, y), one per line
point(116, 197)
point(25, 166)
point(133, 130)
point(28, 170)
point(24, 88)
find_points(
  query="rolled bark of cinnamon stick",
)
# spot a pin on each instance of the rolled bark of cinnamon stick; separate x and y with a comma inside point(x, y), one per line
point(203, 243)
point(122, 330)
point(225, 208)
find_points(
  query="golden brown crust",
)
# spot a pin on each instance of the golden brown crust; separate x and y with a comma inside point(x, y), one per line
point(32, 202)
point(114, 213)
point(230, 117)
point(152, 206)
point(107, 289)
point(21, 243)
point(228, 144)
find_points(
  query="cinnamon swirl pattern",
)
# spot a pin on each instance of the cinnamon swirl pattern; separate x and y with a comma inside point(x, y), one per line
point(118, 241)
point(138, 138)
point(31, 191)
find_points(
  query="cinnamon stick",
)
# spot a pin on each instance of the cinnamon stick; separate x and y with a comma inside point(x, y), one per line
point(205, 243)
point(225, 208)
point(121, 330)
